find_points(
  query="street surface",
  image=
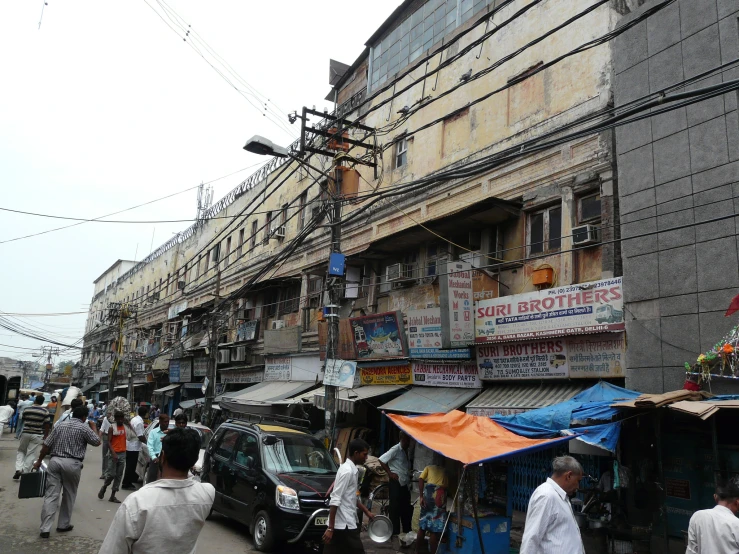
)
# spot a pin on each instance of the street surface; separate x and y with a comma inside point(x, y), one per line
point(20, 519)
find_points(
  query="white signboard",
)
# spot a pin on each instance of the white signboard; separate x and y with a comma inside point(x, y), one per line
point(584, 356)
point(456, 297)
point(572, 310)
point(543, 359)
point(200, 367)
point(340, 373)
point(278, 368)
point(463, 375)
point(424, 336)
point(175, 309)
point(185, 370)
point(242, 377)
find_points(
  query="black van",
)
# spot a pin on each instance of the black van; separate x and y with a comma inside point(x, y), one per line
point(274, 477)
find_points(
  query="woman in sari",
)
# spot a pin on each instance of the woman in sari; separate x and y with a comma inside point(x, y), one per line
point(432, 486)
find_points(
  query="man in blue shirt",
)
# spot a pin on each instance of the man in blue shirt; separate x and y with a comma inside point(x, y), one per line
point(154, 444)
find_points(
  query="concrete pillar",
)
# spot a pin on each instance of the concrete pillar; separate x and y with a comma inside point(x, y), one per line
point(569, 218)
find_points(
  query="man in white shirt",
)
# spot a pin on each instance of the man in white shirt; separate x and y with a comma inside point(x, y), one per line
point(397, 463)
point(23, 403)
point(6, 412)
point(550, 522)
point(68, 413)
point(716, 531)
point(104, 428)
point(342, 534)
point(133, 448)
point(167, 515)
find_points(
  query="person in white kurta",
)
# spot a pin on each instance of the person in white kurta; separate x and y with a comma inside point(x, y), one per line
point(551, 527)
point(716, 531)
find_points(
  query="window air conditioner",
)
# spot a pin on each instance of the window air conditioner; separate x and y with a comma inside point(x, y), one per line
point(585, 234)
point(181, 285)
point(224, 356)
point(239, 354)
point(240, 314)
point(278, 324)
point(394, 272)
point(279, 232)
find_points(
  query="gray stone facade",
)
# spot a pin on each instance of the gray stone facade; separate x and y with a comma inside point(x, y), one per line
point(674, 169)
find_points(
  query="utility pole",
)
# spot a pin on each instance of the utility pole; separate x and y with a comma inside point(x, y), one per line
point(118, 312)
point(213, 345)
point(49, 352)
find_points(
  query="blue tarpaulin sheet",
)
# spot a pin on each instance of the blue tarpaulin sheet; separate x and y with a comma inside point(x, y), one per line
point(590, 405)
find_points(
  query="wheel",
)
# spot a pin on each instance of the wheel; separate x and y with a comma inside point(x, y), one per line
point(264, 537)
point(379, 500)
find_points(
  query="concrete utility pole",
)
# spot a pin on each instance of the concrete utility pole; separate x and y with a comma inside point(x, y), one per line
point(210, 391)
point(118, 312)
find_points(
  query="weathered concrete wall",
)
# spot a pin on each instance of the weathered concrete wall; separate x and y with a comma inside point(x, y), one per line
point(678, 168)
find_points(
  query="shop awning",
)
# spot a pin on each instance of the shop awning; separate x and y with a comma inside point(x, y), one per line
point(88, 387)
point(192, 385)
point(187, 404)
point(514, 399)
point(167, 388)
point(307, 398)
point(467, 438)
point(265, 393)
point(161, 363)
point(430, 400)
point(347, 397)
point(193, 342)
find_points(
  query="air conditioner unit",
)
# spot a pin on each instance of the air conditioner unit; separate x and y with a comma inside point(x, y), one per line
point(239, 354)
point(224, 356)
point(181, 285)
point(585, 234)
point(279, 232)
point(394, 272)
point(240, 314)
point(172, 329)
point(278, 324)
point(154, 296)
point(395, 285)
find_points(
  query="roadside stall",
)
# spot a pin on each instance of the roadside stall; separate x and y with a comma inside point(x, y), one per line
point(480, 511)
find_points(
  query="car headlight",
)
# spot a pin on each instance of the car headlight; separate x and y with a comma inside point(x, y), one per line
point(285, 497)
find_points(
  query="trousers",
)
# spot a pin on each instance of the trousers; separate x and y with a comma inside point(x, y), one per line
point(28, 451)
point(115, 470)
point(345, 541)
point(62, 475)
point(130, 477)
point(401, 511)
point(106, 454)
point(152, 472)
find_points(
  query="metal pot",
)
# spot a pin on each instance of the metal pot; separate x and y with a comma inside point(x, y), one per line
point(582, 520)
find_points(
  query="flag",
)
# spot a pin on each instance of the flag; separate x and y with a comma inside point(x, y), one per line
point(733, 307)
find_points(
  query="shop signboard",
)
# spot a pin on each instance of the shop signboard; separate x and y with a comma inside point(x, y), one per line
point(174, 371)
point(175, 309)
point(572, 310)
point(340, 373)
point(456, 299)
point(387, 375)
point(282, 341)
point(346, 340)
point(185, 370)
point(379, 336)
point(462, 375)
point(584, 356)
point(242, 377)
point(278, 368)
point(200, 367)
point(247, 330)
point(424, 336)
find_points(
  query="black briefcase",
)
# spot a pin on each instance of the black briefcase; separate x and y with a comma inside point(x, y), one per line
point(33, 485)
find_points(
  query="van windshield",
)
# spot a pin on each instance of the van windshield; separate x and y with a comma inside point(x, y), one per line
point(298, 454)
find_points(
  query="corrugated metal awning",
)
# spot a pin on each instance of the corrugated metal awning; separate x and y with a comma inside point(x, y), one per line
point(187, 404)
point(430, 400)
point(516, 398)
point(265, 393)
point(167, 388)
point(347, 397)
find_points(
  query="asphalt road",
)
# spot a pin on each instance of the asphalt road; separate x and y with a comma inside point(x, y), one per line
point(20, 519)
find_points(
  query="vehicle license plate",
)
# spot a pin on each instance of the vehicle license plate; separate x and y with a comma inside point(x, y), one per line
point(321, 521)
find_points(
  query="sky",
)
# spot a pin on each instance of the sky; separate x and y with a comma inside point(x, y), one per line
point(107, 105)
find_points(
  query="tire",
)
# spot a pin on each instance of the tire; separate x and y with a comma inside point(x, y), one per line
point(263, 534)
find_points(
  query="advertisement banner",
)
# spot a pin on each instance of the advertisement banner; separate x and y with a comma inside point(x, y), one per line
point(283, 341)
point(456, 299)
point(340, 373)
point(424, 336)
point(379, 336)
point(346, 340)
point(185, 370)
point(585, 356)
point(200, 367)
point(278, 369)
point(242, 377)
point(463, 375)
point(387, 375)
point(174, 371)
point(572, 310)
point(247, 330)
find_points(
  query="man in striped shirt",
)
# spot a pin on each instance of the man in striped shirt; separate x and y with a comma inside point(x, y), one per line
point(36, 425)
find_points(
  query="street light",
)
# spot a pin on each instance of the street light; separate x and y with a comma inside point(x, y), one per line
point(264, 147)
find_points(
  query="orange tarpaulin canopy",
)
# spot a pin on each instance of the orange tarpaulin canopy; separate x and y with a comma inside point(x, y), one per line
point(467, 438)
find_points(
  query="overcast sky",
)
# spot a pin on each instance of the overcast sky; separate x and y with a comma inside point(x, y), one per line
point(106, 107)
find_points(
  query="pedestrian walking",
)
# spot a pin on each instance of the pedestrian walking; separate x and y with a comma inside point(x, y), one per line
point(67, 414)
point(66, 445)
point(432, 488)
point(342, 533)
point(716, 531)
point(36, 426)
point(103, 432)
point(133, 449)
point(116, 458)
point(180, 421)
point(154, 444)
point(178, 411)
point(550, 522)
point(6, 414)
point(51, 406)
point(397, 463)
point(22, 405)
point(168, 515)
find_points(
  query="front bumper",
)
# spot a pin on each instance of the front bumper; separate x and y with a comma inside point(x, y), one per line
point(297, 527)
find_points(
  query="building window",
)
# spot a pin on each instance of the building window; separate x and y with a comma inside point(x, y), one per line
point(545, 230)
point(241, 243)
point(216, 253)
point(290, 300)
point(254, 225)
point(303, 205)
point(401, 153)
point(268, 227)
point(227, 258)
point(588, 208)
point(283, 220)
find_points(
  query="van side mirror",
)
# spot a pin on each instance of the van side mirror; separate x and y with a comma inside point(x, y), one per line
point(250, 462)
point(270, 440)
